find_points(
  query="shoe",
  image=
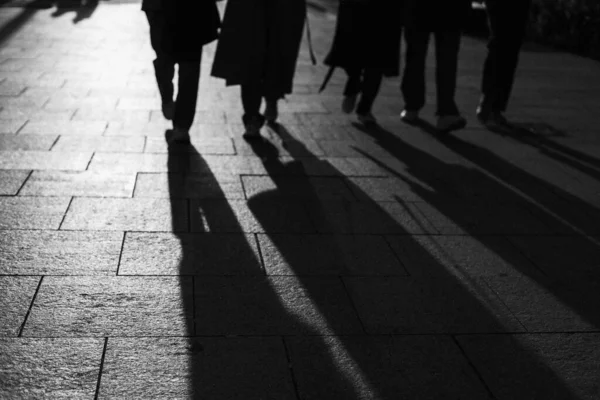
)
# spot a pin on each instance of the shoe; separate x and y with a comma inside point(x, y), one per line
point(491, 119)
point(271, 111)
point(448, 123)
point(349, 103)
point(252, 126)
point(180, 136)
point(366, 119)
point(168, 110)
point(410, 117)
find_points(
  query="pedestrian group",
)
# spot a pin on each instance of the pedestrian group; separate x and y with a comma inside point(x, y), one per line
point(259, 42)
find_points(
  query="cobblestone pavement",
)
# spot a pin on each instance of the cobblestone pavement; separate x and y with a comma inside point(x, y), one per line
point(336, 262)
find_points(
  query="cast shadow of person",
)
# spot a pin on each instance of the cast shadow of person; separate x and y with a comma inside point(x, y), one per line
point(541, 135)
point(439, 302)
point(83, 9)
point(525, 210)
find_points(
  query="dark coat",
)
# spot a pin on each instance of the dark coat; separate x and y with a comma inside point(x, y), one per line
point(436, 15)
point(367, 34)
point(259, 42)
point(186, 25)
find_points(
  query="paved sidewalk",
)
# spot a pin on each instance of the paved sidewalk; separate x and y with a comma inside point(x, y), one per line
point(336, 262)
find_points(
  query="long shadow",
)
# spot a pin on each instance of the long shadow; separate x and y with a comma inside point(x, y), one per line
point(434, 300)
point(82, 9)
point(543, 219)
point(15, 24)
point(536, 136)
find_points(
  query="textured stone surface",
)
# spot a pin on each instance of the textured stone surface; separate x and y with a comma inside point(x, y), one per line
point(32, 212)
point(297, 187)
point(26, 142)
point(127, 214)
point(68, 161)
point(99, 143)
point(11, 181)
point(545, 305)
point(276, 305)
point(16, 294)
point(111, 306)
point(59, 253)
point(460, 256)
point(328, 255)
point(202, 145)
point(260, 214)
point(537, 366)
point(382, 367)
point(54, 368)
point(190, 254)
point(221, 368)
point(411, 306)
point(190, 186)
point(83, 184)
point(64, 128)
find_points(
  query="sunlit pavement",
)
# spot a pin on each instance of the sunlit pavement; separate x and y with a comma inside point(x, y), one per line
point(332, 262)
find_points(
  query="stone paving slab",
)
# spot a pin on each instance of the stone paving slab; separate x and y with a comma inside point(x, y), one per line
point(569, 361)
point(49, 368)
point(188, 186)
point(402, 305)
point(111, 306)
point(100, 144)
point(11, 142)
point(15, 298)
point(190, 254)
point(45, 160)
point(82, 184)
point(32, 212)
point(344, 255)
point(59, 253)
point(113, 214)
point(382, 367)
point(11, 181)
point(281, 305)
point(160, 368)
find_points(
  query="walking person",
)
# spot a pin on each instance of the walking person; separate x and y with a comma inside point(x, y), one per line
point(258, 50)
point(507, 20)
point(444, 20)
point(178, 31)
point(366, 45)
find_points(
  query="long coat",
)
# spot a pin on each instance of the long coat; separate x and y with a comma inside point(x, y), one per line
point(436, 15)
point(186, 25)
point(367, 34)
point(259, 43)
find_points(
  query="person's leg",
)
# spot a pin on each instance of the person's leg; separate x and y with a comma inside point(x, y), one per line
point(447, 45)
point(413, 81)
point(514, 20)
point(370, 88)
point(252, 94)
point(187, 94)
point(164, 64)
point(351, 89)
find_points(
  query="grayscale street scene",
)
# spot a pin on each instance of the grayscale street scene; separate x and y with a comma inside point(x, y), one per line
point(296, 201)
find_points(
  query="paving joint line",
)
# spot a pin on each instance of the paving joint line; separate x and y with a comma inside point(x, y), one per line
point(472, 365)
point(98, 383)
point(30, 307)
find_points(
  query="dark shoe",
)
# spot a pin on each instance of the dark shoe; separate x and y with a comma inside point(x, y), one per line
point(366, 119)
point(409, 117)
point(449, 123)
point(349, 103)
point(491, 118)
point(252, 125)
point(180, 136)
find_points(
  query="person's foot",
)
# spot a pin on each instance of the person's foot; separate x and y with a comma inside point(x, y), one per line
point(168, 110)
point(366, 119)
point(180, 136)
point(349, 103)
point(409, 117)
point(491, 118)
point(252, 127)
point(449, 123)
point(271, 111)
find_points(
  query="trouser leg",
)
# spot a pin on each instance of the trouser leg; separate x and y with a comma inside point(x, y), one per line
point(413, 81)
point(187, 94)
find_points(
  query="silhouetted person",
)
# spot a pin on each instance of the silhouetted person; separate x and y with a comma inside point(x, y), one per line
point(444, 19)
point(258, 49)
point(178, 31)
point(367, 46)
point(507, 22)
